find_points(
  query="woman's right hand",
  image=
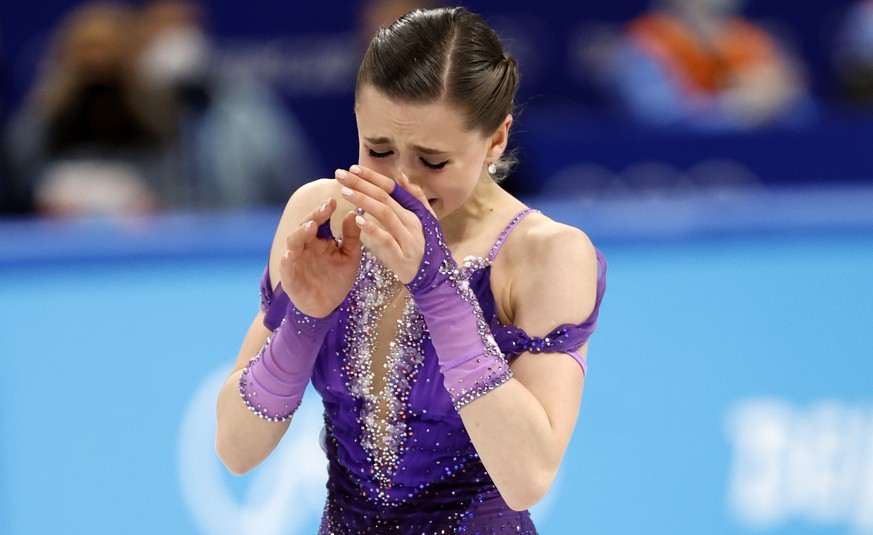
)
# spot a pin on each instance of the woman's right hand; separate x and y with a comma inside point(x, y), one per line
point(317, 272)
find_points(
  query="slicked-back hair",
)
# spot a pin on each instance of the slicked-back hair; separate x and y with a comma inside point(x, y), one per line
point(445, 53)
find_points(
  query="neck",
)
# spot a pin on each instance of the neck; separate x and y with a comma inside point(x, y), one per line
point(461, 224)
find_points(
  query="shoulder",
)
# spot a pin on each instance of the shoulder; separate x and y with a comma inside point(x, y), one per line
point(312, 192)
point(302, 203)
point(553, 273)
point(307, 198)
point(542, 244)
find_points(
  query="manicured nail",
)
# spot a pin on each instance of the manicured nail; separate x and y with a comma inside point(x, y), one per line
point(323, 207)
point(355, 169)
point(347, 192)
point(308, 225)
point(340, 174)
point(360, 220)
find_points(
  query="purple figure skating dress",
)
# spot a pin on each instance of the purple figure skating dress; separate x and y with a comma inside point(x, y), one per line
point(416, 472)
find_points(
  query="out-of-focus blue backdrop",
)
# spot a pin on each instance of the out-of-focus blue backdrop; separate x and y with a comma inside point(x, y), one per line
point(729, 384)
point(730, 379)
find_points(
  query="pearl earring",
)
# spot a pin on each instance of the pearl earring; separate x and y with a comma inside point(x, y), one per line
point(492, 168)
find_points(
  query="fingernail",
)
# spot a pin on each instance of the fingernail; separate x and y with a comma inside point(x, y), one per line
point(405, 178)
point(355, 169)
point(347, 192)
point(360, 220)
point(308, 225)
point(323, 207)
point(340, 174)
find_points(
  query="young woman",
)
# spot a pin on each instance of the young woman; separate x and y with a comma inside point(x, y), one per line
point(446, 328)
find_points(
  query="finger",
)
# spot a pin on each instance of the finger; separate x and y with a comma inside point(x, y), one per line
point(415, 190)
point(381, 181)
point(325, 211)
point(320, 217)
point(409, 201)
point(299, 237)
point(382, 243)
point(351, 243)
point(321, 213)
point(382, 208)
point(377, 186)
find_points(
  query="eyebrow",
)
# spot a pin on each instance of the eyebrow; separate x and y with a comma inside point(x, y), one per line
point(384, 140)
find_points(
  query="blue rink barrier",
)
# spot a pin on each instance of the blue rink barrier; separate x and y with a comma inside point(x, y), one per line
point(729, 388)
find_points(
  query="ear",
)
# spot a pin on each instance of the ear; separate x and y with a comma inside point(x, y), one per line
point(499, 139)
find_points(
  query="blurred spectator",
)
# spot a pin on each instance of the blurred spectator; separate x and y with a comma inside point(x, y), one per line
point(89, 139)
point(239, 144)
point(853, 55)
point(699, 63)
point(7, 204)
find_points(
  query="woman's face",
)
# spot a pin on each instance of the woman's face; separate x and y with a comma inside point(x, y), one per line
point(428, 142)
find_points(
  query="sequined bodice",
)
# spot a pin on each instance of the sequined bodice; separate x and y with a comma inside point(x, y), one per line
point(418, 407)
point(400, 460)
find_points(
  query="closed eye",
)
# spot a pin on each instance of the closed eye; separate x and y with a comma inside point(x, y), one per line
point(375, 154)
point(434, 166)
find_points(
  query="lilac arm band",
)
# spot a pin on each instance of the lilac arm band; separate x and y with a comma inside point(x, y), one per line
point(469, 358)
point(273, 383)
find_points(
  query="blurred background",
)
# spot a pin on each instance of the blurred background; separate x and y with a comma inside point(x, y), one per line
point(719, 152)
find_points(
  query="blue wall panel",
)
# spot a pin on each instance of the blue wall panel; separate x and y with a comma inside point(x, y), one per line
point(729, 386)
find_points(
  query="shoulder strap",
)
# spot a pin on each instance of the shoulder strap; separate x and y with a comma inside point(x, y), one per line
point(500, 239)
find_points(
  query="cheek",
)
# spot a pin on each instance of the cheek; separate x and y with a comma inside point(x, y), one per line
point(380, 165)
point(457, 188)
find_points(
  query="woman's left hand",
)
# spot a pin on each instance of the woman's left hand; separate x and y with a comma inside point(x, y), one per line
point(390, 231)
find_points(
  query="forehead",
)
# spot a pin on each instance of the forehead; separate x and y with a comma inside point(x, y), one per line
point(432, 124)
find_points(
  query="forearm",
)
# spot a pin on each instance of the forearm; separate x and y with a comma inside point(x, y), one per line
point(507, 423)
point(517, 442)
point(256, 403)
point(242, 440)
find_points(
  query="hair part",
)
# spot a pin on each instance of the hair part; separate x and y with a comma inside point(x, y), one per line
point(445, 54)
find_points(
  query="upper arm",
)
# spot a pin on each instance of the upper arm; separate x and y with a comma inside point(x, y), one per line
point(555, 283)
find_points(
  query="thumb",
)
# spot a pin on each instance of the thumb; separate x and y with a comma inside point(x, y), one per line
point(351, 234)
point(415, 190)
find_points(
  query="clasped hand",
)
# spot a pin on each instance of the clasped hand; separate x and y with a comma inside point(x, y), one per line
point(391, 223)
point(317, 272)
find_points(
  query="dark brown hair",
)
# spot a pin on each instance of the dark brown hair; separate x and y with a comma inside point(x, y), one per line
point(445, 53)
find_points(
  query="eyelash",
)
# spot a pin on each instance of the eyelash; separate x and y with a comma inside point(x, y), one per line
point(433, 166)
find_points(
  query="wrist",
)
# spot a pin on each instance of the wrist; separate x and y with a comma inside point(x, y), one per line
point(273, 383)
point(305, 324)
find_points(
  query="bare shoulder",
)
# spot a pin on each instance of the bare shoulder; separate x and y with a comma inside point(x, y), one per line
point(307, 197)
point(552, 241)
point(553, 274)
point(302, 202)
